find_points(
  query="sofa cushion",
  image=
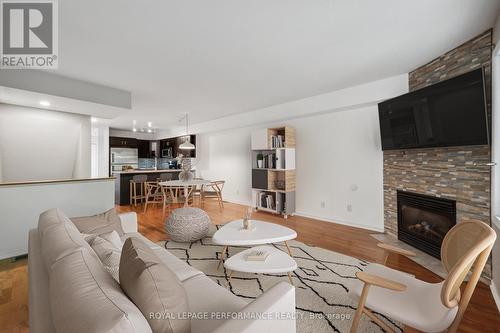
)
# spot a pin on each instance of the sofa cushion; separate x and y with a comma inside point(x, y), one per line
point(85, 298)
point(151, 245)
point(99, 224)
point(58, 237)
point(153, 288)
point(108, 248)
point(179, 267)
point(206, 296)
point(182, 270)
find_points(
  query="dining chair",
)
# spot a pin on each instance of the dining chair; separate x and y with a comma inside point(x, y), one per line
point(428, 307)
point(154, 194)
point(214, 191)
point(137, 182)
point(177, 194)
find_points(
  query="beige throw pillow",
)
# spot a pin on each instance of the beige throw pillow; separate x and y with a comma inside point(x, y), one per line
point(99, 224)
point(108, 248)
point(154, 289)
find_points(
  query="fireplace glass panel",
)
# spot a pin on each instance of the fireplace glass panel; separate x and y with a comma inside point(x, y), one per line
point(423, 221)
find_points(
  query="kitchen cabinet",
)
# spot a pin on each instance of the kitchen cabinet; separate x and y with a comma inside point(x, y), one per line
point(144, 148)
point(168, 148)
point(115, 142)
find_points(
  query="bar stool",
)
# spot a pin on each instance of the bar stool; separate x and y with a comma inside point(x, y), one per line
point(165, 177)
point(138, 180)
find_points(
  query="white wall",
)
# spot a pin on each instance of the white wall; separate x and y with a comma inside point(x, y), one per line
point(495, 183)
point(339, 161)
point(100, 140)
point(20, 206)
point(38, 144)
point(338, 153)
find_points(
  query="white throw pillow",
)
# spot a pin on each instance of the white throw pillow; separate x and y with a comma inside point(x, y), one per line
point(108, 247)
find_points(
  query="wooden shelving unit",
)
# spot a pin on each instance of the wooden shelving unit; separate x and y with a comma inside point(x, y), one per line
point(273, 183)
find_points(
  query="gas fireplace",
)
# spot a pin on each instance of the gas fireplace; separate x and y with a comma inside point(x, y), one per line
point(423, 221)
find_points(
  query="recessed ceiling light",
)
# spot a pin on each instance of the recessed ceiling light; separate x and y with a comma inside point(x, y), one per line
point(149, 130)
point(93, 119)
point(134, 129)
point(150, 124)
point(44, 103)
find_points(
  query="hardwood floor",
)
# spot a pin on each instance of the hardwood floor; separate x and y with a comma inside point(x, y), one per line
point(481, 316)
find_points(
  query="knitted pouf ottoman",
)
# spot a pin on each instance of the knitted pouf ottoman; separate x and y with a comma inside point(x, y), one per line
point(187, 224)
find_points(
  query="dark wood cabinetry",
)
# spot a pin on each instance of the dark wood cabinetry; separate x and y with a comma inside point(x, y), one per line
point(169, 148)
point(144, 148)
point(116, 142)
point(166, 148)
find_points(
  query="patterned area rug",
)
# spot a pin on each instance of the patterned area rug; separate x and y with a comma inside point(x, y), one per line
point(322, 283)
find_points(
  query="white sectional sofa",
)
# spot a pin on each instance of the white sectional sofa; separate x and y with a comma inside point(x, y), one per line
point(70, 291)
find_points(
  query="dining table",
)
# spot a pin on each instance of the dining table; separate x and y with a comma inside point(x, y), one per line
point(185, 185)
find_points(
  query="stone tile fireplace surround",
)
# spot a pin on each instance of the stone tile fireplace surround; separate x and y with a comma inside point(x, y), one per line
point(455, 173)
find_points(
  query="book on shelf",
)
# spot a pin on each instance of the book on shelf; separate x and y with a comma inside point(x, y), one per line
point(269, 161)
point(265, 200)
point(278, 141)
point(257, 256)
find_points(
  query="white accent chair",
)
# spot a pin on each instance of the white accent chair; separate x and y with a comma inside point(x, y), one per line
point(428, 307)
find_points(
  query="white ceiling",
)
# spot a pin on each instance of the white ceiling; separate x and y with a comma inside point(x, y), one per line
point(216, 58)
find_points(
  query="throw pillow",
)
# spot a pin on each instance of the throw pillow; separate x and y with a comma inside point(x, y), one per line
point(108, 248)
point(153, 288)
point(100, 223)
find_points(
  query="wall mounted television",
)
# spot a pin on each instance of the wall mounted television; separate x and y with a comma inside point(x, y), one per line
point(448, 113)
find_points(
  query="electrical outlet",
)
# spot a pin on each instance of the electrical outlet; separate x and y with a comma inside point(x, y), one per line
point(322, 204)
point(349, 208)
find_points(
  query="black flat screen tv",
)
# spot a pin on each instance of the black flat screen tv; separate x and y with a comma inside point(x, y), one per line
point(448, 113)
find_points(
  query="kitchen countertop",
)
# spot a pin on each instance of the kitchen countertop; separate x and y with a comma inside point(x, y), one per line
point(128, 172)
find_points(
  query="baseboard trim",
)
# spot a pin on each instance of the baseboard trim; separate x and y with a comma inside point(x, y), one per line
point(495, 293)
point(319, 218)
point(338, 221)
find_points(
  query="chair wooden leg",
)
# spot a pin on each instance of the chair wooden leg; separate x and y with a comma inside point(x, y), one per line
point(469, 288)
point(290, 278)
point(359, 310)
point(219, 199)
point(134, 193)
point(130, 193)
point(386, 327)
point(222, 256)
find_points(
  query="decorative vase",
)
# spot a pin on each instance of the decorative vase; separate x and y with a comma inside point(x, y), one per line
point(247, 223)
point(186, 174)
point(259, 164)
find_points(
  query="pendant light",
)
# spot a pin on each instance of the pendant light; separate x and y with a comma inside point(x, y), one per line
point(187, 145)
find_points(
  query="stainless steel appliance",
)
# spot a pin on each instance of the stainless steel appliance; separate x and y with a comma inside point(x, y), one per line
point(167, 152)
point(122, 158)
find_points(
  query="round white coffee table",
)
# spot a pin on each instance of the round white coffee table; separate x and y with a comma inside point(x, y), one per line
point(277, 262)
point(233, 234)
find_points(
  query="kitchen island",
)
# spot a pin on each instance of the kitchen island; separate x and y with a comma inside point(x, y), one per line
point(123, 178)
